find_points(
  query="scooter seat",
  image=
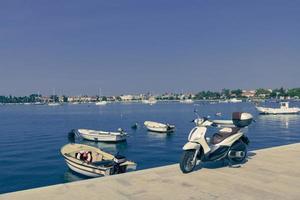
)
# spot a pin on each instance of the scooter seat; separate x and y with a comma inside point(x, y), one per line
point(223, 134)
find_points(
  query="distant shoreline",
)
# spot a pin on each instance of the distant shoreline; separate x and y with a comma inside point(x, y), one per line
point(174, 101)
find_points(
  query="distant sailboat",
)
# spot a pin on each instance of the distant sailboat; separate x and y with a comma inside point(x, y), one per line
point(54, 103)
point(100, 103)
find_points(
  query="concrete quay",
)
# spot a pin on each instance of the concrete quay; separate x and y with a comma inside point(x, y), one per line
point(272, 173)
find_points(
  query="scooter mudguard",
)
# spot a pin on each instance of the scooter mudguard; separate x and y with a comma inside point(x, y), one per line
point(191, 145)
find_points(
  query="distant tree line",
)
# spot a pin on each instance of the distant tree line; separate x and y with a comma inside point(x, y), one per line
point(277, 93)
point(224, 94)
point(259, 93)
point(23, 99)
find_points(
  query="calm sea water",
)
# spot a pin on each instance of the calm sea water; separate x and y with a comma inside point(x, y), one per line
point(31, 136)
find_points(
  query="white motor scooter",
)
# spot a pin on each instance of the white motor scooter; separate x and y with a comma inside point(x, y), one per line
point(229, 143)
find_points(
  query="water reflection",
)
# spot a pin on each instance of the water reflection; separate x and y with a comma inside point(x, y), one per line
point(152, 134)
point(283, 121)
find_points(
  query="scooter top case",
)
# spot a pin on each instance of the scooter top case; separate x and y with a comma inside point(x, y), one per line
point(241, 119)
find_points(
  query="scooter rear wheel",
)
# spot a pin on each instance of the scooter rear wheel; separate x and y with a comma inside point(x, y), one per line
point(186, 162)
point(239, 146)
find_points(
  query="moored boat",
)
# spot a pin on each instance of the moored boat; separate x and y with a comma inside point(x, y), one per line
point(187, 101)
point(218, 114)
point(101, 103)
point(38, 103)
point(54, 104)
point(150, 101)
point(93, 162)
point(283, 109)
point(102, 136)
point(235, 100)
point(159, 127)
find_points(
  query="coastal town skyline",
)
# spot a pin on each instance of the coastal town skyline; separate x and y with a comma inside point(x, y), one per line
point(100, 92)
point(224, 94)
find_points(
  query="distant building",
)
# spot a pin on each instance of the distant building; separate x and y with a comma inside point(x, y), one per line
point(61, 99)
point(138, 97)
point(187, 96)
point(45, 99)
point(112, 98)
point(73, 99)
point(248, 93)
point(126, 97)
point(82, 99)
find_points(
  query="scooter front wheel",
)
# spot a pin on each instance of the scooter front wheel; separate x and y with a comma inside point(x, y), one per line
point(187, 164)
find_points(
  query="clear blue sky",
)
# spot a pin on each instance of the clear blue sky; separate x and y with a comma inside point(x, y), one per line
point(137, 46)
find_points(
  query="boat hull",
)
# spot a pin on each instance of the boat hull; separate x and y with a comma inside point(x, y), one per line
point(160, 130)
point(54, 104)
point(277, 111)
point(101, 103)
point(84, 170)
point(187, 101)
point(101, 137)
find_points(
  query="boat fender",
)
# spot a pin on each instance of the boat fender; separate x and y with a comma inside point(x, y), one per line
point(89, 157)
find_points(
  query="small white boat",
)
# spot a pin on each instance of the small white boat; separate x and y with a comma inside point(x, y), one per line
point(219, 114)
point(39, 103)
point(102, 136)
point(223, 101)
point(159, 127)
point(54, 104)
point(284, 109)
point(150, 101)
point(91, 161)
point(235, 100)
point(187, 101)
point(101, 103)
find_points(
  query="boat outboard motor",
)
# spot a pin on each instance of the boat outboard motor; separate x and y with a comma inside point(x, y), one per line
point(120, 130)
point(118, 160)
point(241, 119)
